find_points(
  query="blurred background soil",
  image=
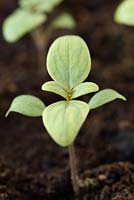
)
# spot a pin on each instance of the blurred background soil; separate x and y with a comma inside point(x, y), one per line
point(32, 166)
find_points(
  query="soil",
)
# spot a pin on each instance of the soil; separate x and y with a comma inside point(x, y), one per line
point(32, 166)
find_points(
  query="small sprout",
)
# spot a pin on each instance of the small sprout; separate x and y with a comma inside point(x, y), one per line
point(124, 13)
point(21, 22)
point(68, 63)
point(29, 17)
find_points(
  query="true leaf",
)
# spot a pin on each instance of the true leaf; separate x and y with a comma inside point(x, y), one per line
point(125, 13)
point(65, 20)
point(40, 5)
point(54, 87)
point(19, 23)
point(68, 61)
point(84, 88)
point(27, 105)
point(103, 97)
point(64, 119)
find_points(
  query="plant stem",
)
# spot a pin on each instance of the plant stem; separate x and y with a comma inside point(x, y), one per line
point(73, 168)
point(40, 42)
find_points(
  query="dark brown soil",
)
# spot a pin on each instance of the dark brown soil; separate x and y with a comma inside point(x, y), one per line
point(32, 166)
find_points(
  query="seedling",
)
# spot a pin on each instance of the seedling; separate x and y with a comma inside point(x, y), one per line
point(29, 17)
point(124, 13)
point(68, 63)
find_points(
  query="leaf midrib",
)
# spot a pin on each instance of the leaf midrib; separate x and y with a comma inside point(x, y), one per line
point(69, 85)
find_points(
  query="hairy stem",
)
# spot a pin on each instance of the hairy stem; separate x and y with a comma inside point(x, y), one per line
point(73, 168)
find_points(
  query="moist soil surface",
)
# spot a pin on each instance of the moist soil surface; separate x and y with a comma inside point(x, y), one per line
point(32, 166)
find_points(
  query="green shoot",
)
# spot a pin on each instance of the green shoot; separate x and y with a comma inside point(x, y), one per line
point(68, 63)
point(31, 17)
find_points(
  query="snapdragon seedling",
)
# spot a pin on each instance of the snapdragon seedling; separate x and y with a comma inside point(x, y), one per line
point(124, 13)
point(29, 17)
point(68, 63)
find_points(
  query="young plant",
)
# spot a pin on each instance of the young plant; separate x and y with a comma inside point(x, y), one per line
point(29, 17)
point(124, 13)
point(68, 63)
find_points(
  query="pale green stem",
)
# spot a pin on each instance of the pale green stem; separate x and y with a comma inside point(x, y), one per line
point(40, 41)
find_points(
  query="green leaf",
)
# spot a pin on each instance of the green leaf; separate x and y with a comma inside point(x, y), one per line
point(54, 87)
point(27, 105)
point(125, 13)
point(20, 23)
point(68, 61)
point(63, 120)
point(65, 20)
point(84, 88)
point(103, 97)
point(39, 5)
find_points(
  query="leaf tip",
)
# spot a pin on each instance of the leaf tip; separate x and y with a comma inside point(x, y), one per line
point(7, 113)
point(42, 87)
point(123, 98)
